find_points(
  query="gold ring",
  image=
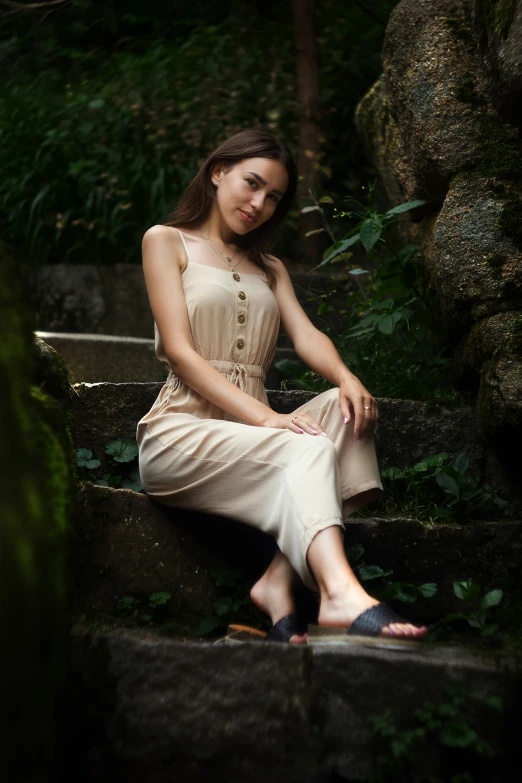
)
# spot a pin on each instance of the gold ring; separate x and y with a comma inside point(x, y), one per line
point(367, 407)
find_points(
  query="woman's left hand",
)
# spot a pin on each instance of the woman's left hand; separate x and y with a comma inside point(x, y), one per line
point(356, 402)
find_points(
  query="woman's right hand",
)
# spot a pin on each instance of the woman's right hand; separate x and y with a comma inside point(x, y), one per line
point(302, 423)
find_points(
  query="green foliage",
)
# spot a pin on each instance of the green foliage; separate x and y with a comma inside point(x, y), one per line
point(106, 114)
point(447, 724)
point(478, 605)
point(154, 610)
point(234, 605)
point(432, 490)
point(124, 453)
point(387, 590)
point(382, 327)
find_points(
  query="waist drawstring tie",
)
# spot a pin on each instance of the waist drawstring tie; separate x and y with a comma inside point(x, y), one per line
point(236, 373)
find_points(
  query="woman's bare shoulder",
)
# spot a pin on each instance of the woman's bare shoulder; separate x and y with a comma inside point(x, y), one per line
point(168, 233)
point(164, 239)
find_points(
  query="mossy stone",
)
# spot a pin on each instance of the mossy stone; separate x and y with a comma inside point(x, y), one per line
point(38, 479)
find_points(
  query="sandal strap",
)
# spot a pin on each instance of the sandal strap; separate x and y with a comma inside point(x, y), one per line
point(373, 620)
point(285, 628)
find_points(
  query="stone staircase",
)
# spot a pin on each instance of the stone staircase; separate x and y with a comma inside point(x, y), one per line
point(172, 707)
point(161, 704)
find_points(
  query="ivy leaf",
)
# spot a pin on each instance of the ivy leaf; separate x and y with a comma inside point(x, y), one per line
point(371, 230)
point(326, 200)
point(402, 591)
point(134, 481)
point(159, 599)
point(122, 450)
point(358, 271)
point(372, 572)
point(101, 482)
point(428, 590)
point(456, 734)
point(355, 553)
point(493, 598)
point(82, 457)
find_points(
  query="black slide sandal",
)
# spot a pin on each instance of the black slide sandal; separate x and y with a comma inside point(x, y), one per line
point(366, 630)
point(285, 628)
point(282, 631)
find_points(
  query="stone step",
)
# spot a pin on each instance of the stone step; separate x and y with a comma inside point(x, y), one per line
point(125, 544)
point(408, 430)
point(95, 358)
point(149, 708)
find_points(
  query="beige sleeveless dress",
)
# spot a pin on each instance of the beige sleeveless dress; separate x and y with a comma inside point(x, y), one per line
point(193, 455)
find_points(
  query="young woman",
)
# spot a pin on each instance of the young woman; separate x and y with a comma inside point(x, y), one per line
point(211, 442)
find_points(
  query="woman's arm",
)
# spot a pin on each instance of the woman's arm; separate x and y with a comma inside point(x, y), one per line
point(162, 253)
point(320, 354)
point(311, 345)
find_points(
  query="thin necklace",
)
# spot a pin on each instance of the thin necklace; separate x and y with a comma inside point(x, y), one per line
point(228, 259)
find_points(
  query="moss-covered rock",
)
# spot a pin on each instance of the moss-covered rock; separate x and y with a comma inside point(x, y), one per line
point(500, 393)
point(38, 479)
point(497, 25)
point(472, 263)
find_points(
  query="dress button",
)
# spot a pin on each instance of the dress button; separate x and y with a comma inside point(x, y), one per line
point(240, 343)
point(236, 277)
point(241, 318)
point(242, 295)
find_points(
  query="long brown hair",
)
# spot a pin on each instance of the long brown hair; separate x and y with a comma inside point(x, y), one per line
point(196, 202)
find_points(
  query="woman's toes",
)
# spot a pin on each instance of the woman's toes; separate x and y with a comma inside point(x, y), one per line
point(404, 629)
point(298, 639)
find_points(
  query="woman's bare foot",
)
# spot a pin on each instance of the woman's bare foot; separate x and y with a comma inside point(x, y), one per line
point(273, 593)
point(341, 609)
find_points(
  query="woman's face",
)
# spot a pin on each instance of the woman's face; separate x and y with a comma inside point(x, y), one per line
point(247, 195)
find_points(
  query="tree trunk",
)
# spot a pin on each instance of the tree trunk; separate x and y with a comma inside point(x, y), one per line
point(309, 124)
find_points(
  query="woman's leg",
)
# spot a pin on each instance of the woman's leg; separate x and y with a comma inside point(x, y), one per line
point(342, 596)
point(273, 592)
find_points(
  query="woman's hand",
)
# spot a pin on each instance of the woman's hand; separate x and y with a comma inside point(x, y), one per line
point(302, 423)
point(356, 402)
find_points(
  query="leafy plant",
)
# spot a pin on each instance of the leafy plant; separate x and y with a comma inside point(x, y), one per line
point(387, 590)
point(416, 490)
point(152, 612)
point(123, 453)
point(464, 493)
point(375, 313)
point(234, 605)
point(478, 605)
point(446, 723)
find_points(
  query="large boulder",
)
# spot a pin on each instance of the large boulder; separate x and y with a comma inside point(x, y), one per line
point(432, 127)
point(498, 28)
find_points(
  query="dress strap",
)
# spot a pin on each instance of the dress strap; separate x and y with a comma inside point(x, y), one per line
point(185, 245)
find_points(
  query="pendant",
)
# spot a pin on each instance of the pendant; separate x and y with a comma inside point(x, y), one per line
point(236, 277)
point(228, 258)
